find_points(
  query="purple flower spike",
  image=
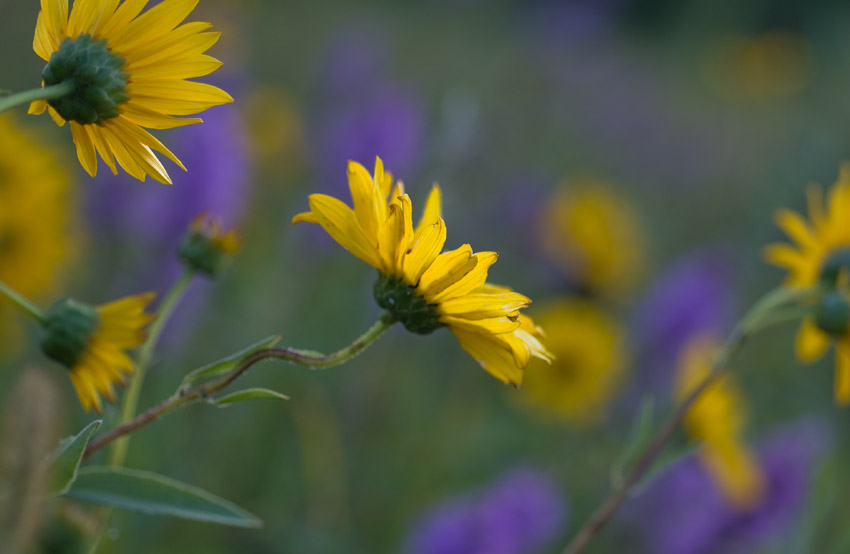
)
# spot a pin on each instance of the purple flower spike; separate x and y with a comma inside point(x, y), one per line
point(518, 514)
point(683, 513)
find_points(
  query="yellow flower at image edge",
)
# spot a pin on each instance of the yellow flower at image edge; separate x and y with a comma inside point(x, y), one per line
point(126, 71)
point(421, 287)
point(92, 343)
point(820, 256)
point(717, 419)
point(589, 366)
point(35, 252)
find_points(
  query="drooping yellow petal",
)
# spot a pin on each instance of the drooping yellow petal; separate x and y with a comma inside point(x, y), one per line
point(341, 224)
point(490, 325)
point(491, 356)
point(85, 148)
point(812, 342)
point(37, 107)
point(794, 226)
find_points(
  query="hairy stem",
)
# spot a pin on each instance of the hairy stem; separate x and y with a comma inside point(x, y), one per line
point(771, 310)
point(22, 303)
point(131, 399)
point(27, 96)
point(189, 395)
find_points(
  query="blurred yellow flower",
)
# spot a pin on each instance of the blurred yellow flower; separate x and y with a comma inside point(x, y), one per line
point(820, 254)
point(39, 231)
point(92, 342)
point(127, 71)
point(590, 362)
point(421, 287)
point(717, 419)
point(772, 64)
point(595, 235)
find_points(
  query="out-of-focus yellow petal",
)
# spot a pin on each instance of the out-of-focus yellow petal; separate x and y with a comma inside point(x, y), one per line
point(812, 342)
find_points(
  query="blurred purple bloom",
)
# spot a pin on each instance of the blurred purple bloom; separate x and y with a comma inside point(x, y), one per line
point(683, 513)
point(694, 295)
point(153, 217)
point(519, 514)
point(361, 112)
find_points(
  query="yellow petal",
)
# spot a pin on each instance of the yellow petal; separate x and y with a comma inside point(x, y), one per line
point(426, 249)
point(392, 232)
point(85, 148)
point(447, 269)
point(307, 217)
point(492, 357)
point(367, 200)
point(490, 325)
point(812, 342)
point(143, 137)
point(37, 107)
point(152, 119)
point(383, 179)
point(102, 146)
point(339, 221)
point(181, 36)
point(432, 212)
point(157, 21)
point(176, 97)
point(55, 20)
point(470, 281)
point(794, 226)
point(43, 41)
point(478, 306)
point(54, 115)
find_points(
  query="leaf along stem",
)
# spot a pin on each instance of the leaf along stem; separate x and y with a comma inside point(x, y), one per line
point(189, 395)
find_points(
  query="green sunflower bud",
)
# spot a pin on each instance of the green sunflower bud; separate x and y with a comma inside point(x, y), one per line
point(833, 314)
point(208, 248)
point(97, 76)
point(69, 327)
point(406, 306)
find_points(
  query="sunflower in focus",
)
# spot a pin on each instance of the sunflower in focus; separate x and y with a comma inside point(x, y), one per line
point(123, 72)
point(717, 419)
point(590, 362)
point(421, 286)
point(820, 256)
point(39, 231)
point(91, 341)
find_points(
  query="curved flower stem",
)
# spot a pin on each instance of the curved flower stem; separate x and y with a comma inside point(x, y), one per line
point(771, 310)
point(27, 96)
point(23, 303)
point(189, 395)
point(131, 399)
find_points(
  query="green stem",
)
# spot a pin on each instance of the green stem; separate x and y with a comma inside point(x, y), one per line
point(775, 307)
point(131, 399)
point(22, 303)
point(27, 96)
point(189, 395)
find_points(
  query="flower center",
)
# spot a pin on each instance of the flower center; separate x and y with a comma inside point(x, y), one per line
point(406, 306)
point(97, 76)
point(69, 326)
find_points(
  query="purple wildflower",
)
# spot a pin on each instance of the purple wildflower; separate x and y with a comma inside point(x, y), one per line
point(519, 514)
point(684, 513)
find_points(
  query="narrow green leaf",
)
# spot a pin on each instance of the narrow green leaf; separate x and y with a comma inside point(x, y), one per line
point(640, 436)
point(224, 365)
point(64, 462)
point(248, 394)
point(150, 493)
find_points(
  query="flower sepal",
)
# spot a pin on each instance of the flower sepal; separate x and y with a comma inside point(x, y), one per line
point(69, 327)
point(405, 305)
point(832, 314)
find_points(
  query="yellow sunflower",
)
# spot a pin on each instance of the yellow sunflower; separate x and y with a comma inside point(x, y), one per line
point(421, 287)
point(124, 71)
point(717, 419)
point(820, 255)
point(595, 235)
point(40, 236)
point(590, 362)
point(92, 343)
